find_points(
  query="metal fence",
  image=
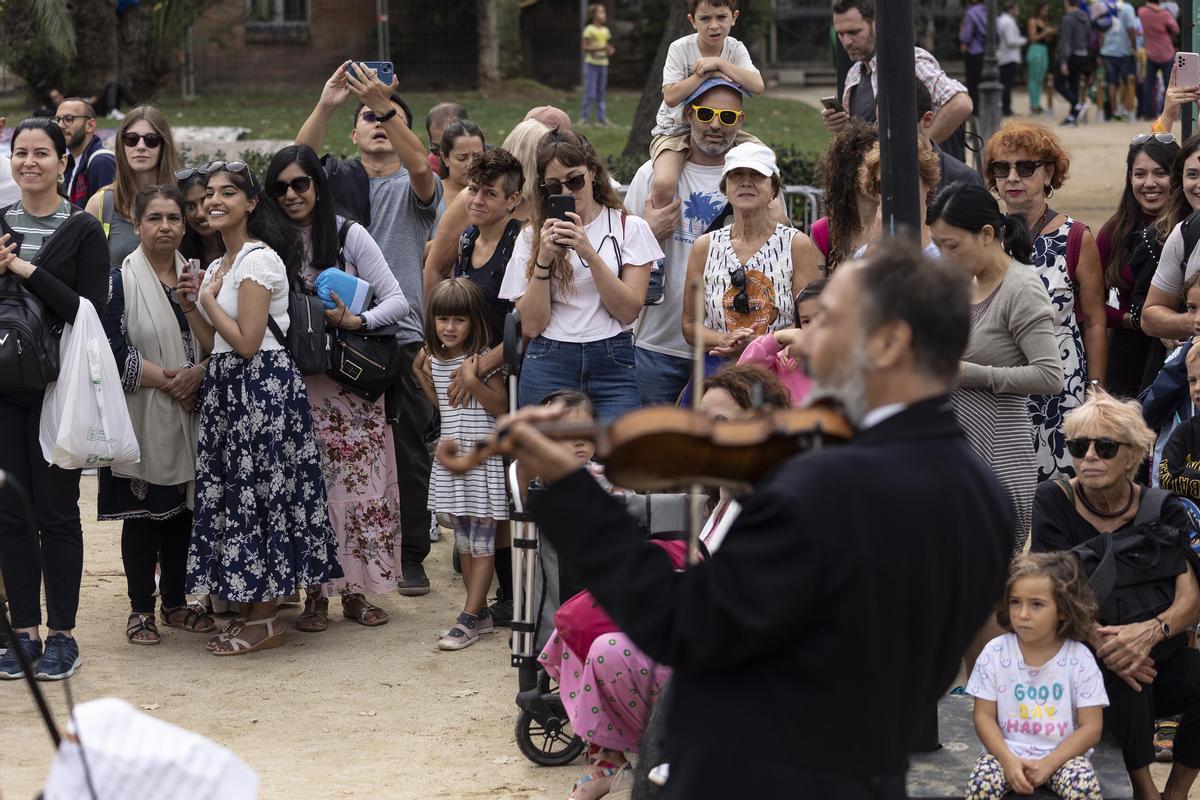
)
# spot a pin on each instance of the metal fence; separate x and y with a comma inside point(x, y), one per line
point(803, 204)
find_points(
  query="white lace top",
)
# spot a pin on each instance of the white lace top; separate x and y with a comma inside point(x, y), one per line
point(259, 263)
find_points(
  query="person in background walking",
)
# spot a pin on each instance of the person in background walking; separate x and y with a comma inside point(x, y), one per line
point(597, 47)
point(1074, 36)
point(972, 36)
point(1159, 30)
point(1008, 53)
point(1037, 57)
point(1118, 50)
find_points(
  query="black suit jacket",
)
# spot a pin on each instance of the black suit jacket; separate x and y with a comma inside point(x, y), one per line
point(834, 614)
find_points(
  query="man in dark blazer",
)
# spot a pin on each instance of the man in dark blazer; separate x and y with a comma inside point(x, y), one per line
point(841, 601)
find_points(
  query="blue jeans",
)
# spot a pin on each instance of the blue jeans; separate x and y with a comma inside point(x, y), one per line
point(606, 371)
point(662, 377)
point(595, 83)
point(1151, 101)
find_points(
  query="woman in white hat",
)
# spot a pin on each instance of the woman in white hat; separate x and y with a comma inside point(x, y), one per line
point(753, 268)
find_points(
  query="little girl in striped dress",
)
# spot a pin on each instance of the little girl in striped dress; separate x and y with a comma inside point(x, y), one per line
point(456, 335)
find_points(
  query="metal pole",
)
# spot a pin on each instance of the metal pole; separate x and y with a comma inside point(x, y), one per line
point(897, 95)
point(188, 84)
point(382, 39)
point(990, 88)
point(1187, 24)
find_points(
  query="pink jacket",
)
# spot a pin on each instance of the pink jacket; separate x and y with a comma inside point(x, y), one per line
point(765, 352)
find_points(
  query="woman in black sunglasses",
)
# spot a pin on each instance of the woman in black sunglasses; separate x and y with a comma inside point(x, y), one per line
point(146, 156)
point(1129, 249)
point(359, 465)
point(1149, 669)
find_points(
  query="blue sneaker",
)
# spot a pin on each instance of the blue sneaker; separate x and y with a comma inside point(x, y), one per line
point(10, 668)
point(61, 658)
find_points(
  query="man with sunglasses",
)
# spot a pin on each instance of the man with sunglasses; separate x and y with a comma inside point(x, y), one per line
point(90, 167)
point(391, 190)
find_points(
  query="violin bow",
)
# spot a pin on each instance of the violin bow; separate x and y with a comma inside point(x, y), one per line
point(695, 493)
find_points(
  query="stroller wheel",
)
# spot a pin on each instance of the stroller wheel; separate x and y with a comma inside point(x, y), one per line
point(552, 744)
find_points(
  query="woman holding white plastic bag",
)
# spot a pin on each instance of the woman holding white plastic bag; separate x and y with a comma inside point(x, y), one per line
point(162, 366)
point(60, 255)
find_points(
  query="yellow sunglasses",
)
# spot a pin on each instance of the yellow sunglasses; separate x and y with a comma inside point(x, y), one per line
point(728, 116)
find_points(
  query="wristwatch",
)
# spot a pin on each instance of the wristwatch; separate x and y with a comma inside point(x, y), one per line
point(363, 319)
point(1166, 629)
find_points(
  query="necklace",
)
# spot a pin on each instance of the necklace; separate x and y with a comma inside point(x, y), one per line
point(1105, 514)
point(1043, 221)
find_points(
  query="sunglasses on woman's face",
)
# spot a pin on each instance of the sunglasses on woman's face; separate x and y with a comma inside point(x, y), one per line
point(1025, 167)
point(298, 185)
point(741, 300)
point(727, 116)
point(1105, 448)
point(574, 183)
point(152, 140)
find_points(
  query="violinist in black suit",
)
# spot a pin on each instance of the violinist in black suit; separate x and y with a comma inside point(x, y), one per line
point(840, 604)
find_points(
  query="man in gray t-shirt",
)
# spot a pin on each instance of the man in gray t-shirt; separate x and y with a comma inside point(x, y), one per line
point(391, 189)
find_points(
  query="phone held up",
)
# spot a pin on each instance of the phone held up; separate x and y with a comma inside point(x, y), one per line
point(385, 70)
point(832, 103)
point(557, 206)
point(1187, 70)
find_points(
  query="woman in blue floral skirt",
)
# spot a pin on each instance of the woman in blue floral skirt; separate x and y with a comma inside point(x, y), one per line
point(262, 526)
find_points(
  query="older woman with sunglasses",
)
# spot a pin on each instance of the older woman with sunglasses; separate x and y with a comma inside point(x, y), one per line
point(751, 270)
point(145, 157)
point(1148, 668)
point(1026, 163)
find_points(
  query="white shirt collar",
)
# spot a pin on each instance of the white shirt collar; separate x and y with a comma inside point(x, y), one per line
point(879, 414)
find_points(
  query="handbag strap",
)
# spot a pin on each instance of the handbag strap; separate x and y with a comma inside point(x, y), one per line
point(343, 232)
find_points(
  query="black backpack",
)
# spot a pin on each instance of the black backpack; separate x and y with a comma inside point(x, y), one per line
point(306, 341)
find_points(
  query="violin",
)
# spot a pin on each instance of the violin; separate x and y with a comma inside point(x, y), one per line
point(663, 448)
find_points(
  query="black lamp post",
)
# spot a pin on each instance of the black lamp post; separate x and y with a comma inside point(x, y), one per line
point(990, 88)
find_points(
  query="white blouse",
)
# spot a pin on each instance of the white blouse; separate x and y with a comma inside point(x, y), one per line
point(259, 263)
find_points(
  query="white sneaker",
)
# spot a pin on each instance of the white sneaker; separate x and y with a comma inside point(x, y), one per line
point(115, 114)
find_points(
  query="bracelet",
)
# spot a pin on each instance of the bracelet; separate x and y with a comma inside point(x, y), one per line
point(187, 310)
point(1135, 318)
point(547, 267)
point(1158, 127)
point(387, 116)
point(545, 277)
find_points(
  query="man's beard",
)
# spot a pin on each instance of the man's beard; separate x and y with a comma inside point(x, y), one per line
point(847, 388)
point(713, 149)
point(76, 140)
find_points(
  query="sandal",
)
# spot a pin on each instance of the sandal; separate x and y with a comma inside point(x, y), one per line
point(358, 608)
point(223, 636)
point(234, 645)
point(193, 619)
point(594, 783)
point(315, 617)
point(137, 624)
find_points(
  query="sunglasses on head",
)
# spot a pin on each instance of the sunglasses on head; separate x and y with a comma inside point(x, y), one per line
point(727, 116)
point(1142, 138)
point(298, 185)
point(217, 166)
point(1105, 448)
point(574, 183)
point(1025, 167)
point(741, 300)
point(152, 140)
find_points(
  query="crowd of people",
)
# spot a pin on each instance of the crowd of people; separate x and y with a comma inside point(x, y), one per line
point(1012, 340)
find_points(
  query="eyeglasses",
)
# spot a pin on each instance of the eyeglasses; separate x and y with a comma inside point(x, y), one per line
point(741, 300)
point(69, 119)
point(1142, 138)
point(727, 116)
point(1025, 167)
point(574, 183)
point(152, 140)
point(298, 185)
point(1105, 448)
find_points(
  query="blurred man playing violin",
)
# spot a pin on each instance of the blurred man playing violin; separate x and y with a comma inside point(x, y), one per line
point(848, 588)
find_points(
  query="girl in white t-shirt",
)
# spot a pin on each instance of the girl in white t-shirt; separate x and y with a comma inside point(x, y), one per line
point(580, 282)
point(1039, 696)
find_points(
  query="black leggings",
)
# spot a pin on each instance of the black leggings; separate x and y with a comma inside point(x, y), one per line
point(146, 542)
point(55, 550)
point(1130, 715)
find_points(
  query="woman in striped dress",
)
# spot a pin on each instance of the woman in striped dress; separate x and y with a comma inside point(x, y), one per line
point(1012, 351)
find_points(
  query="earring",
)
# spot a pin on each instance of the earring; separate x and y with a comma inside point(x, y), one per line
point(1048, 190)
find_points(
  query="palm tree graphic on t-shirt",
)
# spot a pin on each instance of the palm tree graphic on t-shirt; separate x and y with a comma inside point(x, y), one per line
point(699, 210)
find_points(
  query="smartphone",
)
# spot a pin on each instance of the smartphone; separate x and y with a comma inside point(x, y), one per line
point(386, 70)
point(557, 206)
point(1187, 70)
point(832, 103)
point(191, 269)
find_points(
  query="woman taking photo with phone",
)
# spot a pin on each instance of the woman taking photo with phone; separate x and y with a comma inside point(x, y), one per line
point(579, 280)
point(358, 461)
point(261, 527)
point(146, 156)
point(56, 253)
point(162, 367)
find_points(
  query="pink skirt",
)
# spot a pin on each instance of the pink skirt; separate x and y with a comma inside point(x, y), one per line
point(609, 696)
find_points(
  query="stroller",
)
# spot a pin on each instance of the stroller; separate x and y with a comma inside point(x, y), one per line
point(541, 584)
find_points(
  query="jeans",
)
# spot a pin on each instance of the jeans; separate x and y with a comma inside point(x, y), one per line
point(54, 547)
point(595, 83)
point(1008, 76)
point(973, 63)
point(411, 428)
point(1152, 102)
point(1068, 85)
point(605, 370)
point(662, 377)
point(145, 542)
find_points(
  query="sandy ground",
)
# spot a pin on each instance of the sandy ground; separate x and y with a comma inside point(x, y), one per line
point(357, 712)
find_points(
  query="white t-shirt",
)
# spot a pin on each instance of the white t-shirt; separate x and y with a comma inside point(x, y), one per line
point(660, 327)
point(681, 60)
point(1172, 273)
point(579, 315)
point(259, 263)
point(1035, 706)
point(10, 192)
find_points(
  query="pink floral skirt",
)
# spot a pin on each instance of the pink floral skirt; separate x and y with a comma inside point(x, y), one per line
point(610, 694)
point(359, 463)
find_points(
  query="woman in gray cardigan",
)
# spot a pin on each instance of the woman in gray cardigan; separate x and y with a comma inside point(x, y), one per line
point(1012, 352)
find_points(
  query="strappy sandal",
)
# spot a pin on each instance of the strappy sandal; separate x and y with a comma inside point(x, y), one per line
point(234, 645)
point(594, 783)
point(223, 636)
point(138, 623)
point(192, 619)
point(315, 617)
point(357, 607)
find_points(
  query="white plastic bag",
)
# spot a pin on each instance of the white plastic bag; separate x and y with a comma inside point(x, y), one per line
point(85, 421)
